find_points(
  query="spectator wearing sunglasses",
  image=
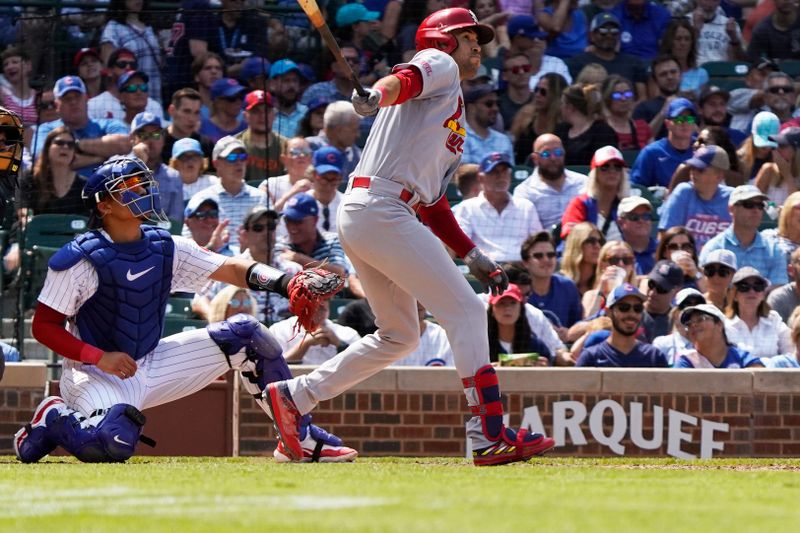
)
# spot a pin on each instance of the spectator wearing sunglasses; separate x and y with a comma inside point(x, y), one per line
point(705, 326)
point(625, 307)
point(784, 300)
point(615, 265)
point(230, 301)
point(327, 163)
point(604, 36)
point(108, 103)
point(751, 324)
point(201, 216)
point(663, 283)
point(635, 222)
point(227, 96)
point(496, 221)
point(676, 342)
point(554, 294)
point(482, 106)
point(746, 205)
point(147, 139)
point(657, 161)
point(606, 186)
point(701, 204)
point(619, 98)
point(296, 159)
point(718, 268)
point(517, 71)
point(132, 86)
point(233, 196)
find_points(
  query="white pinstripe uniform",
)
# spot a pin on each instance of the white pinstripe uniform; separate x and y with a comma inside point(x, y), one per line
point(180, 365)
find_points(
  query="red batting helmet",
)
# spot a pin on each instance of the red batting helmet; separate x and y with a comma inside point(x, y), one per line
point(434, 31)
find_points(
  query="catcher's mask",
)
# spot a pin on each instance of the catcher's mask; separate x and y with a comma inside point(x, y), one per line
point(130, 183)
point(10, 154)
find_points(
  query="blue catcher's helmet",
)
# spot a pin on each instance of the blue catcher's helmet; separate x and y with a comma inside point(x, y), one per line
point(133, 184)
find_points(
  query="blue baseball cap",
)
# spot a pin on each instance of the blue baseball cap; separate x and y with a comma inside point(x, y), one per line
point(281, 67)
point(328, 159)
point(623, 291)
point(351, 13)
point(123, 80)
point(68, 84)
point(601, 19)
point(196, 202)
point(300, 206)
point(489, 162)
point(317, 102)
point(145, 118)
point(678, 106)
point(226, 87)
point(254, 66)
point(710, 155)
point(526, 26)
point(185, 146)
point(307, 72)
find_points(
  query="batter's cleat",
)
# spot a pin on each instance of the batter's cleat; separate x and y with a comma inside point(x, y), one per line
point(286, 417)
point(318, 450)
point(32, 442)
point(513, 447)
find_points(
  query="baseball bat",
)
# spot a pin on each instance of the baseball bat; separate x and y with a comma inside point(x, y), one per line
point(315, 16)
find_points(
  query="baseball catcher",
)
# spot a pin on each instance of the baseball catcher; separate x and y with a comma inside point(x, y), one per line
point(102, 308)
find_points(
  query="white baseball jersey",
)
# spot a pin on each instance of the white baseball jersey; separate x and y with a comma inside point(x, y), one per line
point(419, 143)
point(433, 350)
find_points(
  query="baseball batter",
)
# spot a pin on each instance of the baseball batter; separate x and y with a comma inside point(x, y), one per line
point(413, 150)
point(111, 286)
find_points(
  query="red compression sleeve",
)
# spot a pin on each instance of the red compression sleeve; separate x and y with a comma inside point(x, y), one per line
point(48, 328)
point(439, 217)
point(410, 83)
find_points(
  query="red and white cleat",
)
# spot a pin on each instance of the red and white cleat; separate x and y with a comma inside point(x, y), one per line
point(286, 418)
point(317, 452)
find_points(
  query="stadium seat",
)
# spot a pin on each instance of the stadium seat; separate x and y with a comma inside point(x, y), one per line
point(729, 84)
point(726, 69)
point(790, 67)
point(520, 173)
point(580, 169)
point(630, 156)
point(453, 194)
point(180, 307)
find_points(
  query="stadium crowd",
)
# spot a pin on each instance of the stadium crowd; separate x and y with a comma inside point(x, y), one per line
point(643, 199)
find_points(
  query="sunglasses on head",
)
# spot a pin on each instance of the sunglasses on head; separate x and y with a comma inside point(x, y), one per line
point(622, 95)
point(547, 154)
point(611, 166)
point(127, 65)
point(258, 228)
point(616, 260)
point(234, 157)
point(541, 255)
point(758, 285)
point(781, 89)
point(684, 119)
point(625, 307)
point(644, 217)
point(518, 69)
point(652, 285)
point(592, 241)
point(299, 152)
point(134, 87)
point(675, 246)
point(64, 143)
point(717, 270)
point(541, 90)
point(202, 215)
point(147, 135)
point(751, 204)
point(607, 31)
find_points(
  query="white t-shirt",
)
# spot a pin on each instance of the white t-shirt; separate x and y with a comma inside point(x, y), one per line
point(433, 349)
point(284, 333)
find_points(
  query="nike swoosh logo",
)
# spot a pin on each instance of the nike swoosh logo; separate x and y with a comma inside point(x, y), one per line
point(134, 277)
point(117, 439)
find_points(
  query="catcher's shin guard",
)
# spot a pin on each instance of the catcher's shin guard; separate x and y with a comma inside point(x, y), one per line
point(506, 445)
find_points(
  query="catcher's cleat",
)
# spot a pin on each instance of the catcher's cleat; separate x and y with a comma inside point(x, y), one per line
point(286, 417)
point(513, 447)
point(319, 446)
point(32, 442)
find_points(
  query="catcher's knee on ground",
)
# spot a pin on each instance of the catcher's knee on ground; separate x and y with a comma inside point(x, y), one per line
point(112, 440)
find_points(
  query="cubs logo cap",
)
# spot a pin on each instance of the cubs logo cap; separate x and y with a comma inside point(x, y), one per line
point(69, 84)
point(300, 206)
point(491, 161)
point(623, 291)
point(328, 159)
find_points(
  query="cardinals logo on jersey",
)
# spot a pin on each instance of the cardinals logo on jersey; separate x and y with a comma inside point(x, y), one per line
point(455, 140)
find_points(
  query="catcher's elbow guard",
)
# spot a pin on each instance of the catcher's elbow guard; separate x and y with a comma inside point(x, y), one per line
point(261, 277)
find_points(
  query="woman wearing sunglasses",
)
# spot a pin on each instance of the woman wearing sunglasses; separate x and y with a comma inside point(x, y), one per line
point(619, 98)
point(751, 324)
point(705, 326)
point(539, 116)
point(581, 253)
point(616, 265)
point(606, 186)
point(676, 342)
point(230, 301)
point(718, 269)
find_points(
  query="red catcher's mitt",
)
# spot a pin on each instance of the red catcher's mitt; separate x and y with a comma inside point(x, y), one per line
point(307, 289)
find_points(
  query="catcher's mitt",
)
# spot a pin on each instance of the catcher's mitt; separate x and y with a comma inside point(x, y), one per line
point(307, 289)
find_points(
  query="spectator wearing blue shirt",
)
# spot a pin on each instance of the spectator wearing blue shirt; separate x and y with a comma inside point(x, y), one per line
point(657, 161)
point(567, 23)
point(746, 205)
point(705, 325)
point(482, 108)
point(95, 140)
point(555, 295)
point(701, 205)
point(625, 306)
point(226, 119)
point(643, 23)
point(284, 82)
point(635, 222)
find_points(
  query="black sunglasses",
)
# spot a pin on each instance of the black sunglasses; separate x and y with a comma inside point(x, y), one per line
point(685, 246)
point(749, 204)
point(652, 285)
point(644, 217)
point(781, 89)
point(541, 255)
point(127, 65)
point(594, 240)
point(617, 259)
point(608, 167)
point(758, 285)
point(625, 307)
point(714, 270)
point(202, 215)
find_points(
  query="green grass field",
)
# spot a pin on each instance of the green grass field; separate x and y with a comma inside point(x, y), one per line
point(410, 495)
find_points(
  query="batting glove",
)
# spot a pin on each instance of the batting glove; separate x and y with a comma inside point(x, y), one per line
point(486, 271)
point(366, 105)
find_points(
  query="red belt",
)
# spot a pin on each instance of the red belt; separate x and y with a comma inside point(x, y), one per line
point(363, 182)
